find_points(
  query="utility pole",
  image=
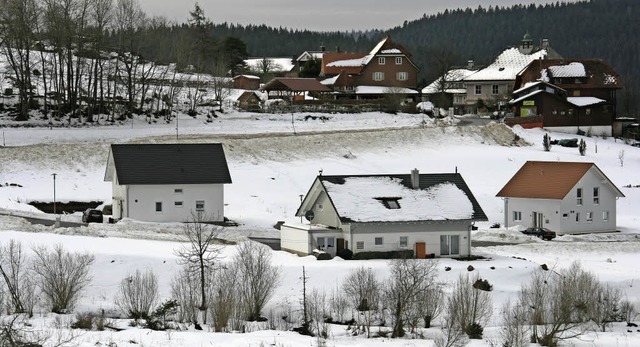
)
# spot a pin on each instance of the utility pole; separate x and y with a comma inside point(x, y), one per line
point(54, 192)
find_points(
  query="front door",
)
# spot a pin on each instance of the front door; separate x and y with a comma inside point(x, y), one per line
point(421, 250)
point(537, 220)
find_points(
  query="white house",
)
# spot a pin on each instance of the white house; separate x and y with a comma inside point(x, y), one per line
point(431, 214)
point(566, 197)
point(168, 182)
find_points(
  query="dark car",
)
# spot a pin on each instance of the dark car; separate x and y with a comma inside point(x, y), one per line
point(542, 233)
point(92, 216)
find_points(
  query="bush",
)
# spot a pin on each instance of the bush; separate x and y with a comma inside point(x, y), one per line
point(475, 331)
point(398, 254)
point(483, 285)
point(345, 254)
point(83, 321)
point(323, 256)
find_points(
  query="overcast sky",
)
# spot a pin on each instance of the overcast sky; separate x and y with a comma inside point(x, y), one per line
point(324, 15)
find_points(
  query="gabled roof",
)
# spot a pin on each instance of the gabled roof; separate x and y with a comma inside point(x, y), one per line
point(506, 65)
point(193, 163)
point(353, 63)
point(592, 73)
point(245, 96)
point(296, 85)
point(548, 180)
point(364, 198)
point(453, 75)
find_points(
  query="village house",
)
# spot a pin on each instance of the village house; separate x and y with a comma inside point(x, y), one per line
point(386, 69)
point(429, 214)
point(566, 197)
point(567, 95)
point(168, 182)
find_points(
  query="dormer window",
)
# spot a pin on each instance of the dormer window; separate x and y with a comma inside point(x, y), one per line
point(390, 203)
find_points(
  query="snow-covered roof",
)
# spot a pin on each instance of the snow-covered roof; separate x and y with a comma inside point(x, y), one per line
point(574, 69)
point(391, 51)
point(384, 90)
point(452, 75)
point(526, 96)
point(506, 66)
point(581, 101)
point(359, 199)
point(248, 76)
point(330, 81)
point(350, 62)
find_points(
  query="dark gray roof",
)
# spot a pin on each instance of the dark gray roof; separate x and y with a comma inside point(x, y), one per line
point(426, 181)
point(194, 163)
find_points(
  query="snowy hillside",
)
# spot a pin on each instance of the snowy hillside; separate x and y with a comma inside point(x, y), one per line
point(273, 160)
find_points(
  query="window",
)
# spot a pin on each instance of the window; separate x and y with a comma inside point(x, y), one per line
point(359, 244)
point(330, 242)
point(579, 196)
point(596, 195)
point(398, 60)
point(587, 111)
point(320, 242)
point(478, 89)
point(517, 216)
point(605, 216)
point(402, 76)
point(378, 241)
point(378, 76)
point(390, 203)
point(494, 89)
point(565, 215)
point(404, 241)
point(381, 60)
point(449, 244)
point(159, 206)
point(589, 217)
point(177, 191)
point(200, 205)
point(577, 217)
point(178, 204)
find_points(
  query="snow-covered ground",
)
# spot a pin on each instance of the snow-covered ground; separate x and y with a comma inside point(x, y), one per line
point(275, 158)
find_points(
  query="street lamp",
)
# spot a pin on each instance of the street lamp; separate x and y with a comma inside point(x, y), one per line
point(54, 192)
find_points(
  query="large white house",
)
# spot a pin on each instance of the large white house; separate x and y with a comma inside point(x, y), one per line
point(431, 214)
point(168, 182)
point(566, 197)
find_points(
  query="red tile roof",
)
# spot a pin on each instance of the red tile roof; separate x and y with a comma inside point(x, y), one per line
point(545, 180)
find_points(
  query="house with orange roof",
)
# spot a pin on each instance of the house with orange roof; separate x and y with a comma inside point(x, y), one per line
point(566, 197)
point(387, 68)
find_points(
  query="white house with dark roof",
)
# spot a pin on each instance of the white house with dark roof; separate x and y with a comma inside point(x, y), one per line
point(430, 214)
point(168, 182)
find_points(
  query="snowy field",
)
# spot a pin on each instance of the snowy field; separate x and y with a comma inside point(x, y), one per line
point(275, 158)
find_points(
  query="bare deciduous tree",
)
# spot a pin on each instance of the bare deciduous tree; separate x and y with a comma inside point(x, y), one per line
point(62, 276)
point(258, 279)
point(606, 306)
point(409, 278)
point(200, 254)
point(224, 298)
point(185, 289)
point(432, 302)
point(558, 304)
point(17, 278)
point(138, 294)
point(514, 331)
point(363, 291)
point(470, 306)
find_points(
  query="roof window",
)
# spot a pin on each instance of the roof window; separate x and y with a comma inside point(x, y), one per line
point(390, 203)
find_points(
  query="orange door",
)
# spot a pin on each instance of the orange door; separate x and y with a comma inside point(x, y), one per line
point(421, 250)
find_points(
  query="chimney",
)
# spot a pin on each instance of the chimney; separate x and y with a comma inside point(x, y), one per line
point(545, 43)
point(415, 179)
point(470, 64)
point(322, 48)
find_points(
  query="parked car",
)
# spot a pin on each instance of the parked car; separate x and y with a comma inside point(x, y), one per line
point(542, 233)
point(92, 216)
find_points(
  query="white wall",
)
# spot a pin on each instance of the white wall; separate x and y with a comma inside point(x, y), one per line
point(427, 232)
point(560, 215)
point(142, 202)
